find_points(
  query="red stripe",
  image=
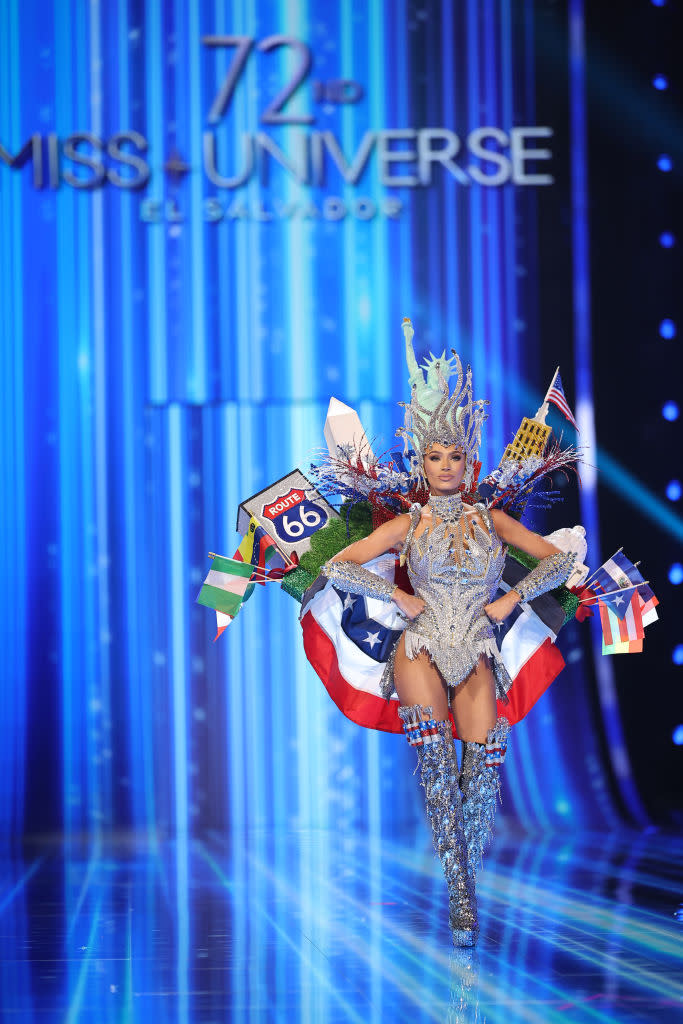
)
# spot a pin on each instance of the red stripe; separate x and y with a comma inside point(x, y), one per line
point(531, 682)
point(562, 406)
point(606, 624)
point(365, 709)
point(373, 712)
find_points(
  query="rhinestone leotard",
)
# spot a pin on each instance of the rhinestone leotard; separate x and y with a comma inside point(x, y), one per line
point(456, 572)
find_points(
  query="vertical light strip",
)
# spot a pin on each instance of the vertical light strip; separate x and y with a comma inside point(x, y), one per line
point(451, 249)
point(236, 764)
point(373, 315)
point(156, 234)
point(477, 354)
point(8, 117)
point(616, 745)
point(178, 624)
point(100, 690)
point(198, 376)
point(75, 792)
point(301, 304)
point(497, 88)
point(346, 332)
point(79, 371)
point(140, 764)
point(377, 320)
point(510, 202)
point(177, 557)
point(13, 609)
point(243, 113)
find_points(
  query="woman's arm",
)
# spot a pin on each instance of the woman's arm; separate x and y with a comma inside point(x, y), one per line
point(384, 538)
point(346, 567)
point(553, 569)
point(512, 532)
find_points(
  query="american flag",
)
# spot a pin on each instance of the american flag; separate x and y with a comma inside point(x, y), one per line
point(556, 396)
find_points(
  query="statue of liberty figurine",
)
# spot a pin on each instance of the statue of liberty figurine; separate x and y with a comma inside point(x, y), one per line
point(433, 416)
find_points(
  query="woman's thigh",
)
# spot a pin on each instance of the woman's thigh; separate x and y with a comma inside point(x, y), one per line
point(474, 703)
point(417, 681)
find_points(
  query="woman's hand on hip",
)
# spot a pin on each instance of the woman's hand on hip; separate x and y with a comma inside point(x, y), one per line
point(410, 605)
point(499, 609)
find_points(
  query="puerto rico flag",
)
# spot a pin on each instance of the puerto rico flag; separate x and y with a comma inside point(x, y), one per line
point(622, 633)
point(348, 638)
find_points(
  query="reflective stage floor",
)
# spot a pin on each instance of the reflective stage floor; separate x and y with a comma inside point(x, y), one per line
point(325, 928)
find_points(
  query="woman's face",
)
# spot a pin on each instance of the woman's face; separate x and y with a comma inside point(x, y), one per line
point(444, 468)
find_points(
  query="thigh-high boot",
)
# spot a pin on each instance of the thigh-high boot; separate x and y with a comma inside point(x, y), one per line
point(480, 788)
point(438, 765)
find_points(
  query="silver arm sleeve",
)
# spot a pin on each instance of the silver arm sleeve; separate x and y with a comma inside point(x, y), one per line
point(550, 572)
point(356, 580)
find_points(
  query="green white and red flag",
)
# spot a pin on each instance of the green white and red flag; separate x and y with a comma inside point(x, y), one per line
point(224, 589)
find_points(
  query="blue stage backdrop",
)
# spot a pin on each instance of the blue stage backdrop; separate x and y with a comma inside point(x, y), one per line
point(214, 217)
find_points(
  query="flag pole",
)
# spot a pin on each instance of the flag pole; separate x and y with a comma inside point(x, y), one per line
point(550, 386)
point(543, 410)
point(585, 582)
point(610, 593)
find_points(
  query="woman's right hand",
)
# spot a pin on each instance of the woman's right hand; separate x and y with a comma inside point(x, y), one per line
point(410, 605)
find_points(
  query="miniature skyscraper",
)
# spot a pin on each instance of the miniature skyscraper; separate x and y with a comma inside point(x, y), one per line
point(532, 435)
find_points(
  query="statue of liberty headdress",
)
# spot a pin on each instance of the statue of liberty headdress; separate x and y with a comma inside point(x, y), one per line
point(436, 416)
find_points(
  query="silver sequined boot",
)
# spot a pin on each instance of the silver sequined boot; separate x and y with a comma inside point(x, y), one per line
point(438, 764)
point(480, 788)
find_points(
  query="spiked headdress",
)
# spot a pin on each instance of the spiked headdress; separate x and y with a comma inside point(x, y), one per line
point(433, 416)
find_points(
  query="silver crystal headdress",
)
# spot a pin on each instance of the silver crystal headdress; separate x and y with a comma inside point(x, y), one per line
point(435, 416)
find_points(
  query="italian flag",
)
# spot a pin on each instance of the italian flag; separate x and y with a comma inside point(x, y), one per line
point(224, 589)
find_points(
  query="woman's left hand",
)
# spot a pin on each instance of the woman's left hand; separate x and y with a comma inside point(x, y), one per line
point(499, 609)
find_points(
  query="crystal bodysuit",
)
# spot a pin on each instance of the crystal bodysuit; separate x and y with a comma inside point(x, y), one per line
point(455, 566)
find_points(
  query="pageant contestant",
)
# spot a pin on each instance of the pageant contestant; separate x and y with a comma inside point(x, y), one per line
point(442, 649)
point(447, 655)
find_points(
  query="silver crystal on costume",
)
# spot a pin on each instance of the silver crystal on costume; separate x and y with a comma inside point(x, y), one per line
point(356, 579)
point(438, 766)
point(456, 570)
point(550, 572)
point(480, 788)
point(448, 507)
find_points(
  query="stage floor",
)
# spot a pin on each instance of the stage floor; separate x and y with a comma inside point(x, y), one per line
point(323, 928)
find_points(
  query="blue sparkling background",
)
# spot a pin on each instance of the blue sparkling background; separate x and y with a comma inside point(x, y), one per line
point(154, 374)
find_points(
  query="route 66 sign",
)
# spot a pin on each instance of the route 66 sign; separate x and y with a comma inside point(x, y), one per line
point(290, 510)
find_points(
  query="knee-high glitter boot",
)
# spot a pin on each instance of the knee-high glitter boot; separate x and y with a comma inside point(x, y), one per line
point(438, 764)
point(480, 788)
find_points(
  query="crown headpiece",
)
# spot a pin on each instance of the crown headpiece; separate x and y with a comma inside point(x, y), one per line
point(435, 416)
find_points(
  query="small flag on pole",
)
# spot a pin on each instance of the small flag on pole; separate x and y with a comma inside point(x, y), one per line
point(224, 589)
point(258, 547)
point(626, 604)
point(621, 635)
point(556, 396)
point(618, 578)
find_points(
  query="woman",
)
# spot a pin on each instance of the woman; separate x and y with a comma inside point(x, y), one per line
point(447, 656)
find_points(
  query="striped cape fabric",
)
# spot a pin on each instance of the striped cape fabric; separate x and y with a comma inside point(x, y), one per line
point(347, 639)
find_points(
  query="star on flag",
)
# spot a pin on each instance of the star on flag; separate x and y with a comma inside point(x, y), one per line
point(372, 639)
